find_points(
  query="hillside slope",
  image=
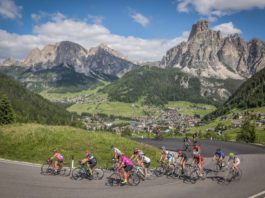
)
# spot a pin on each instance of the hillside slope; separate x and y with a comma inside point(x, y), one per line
point(250, 94)
point(158, 86)
point(30, 107)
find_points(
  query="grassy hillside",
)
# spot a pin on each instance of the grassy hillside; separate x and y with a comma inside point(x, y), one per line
point(158, 86)
point(97, 102)
point(228, 122)
point(251, 94)
point(30, 107)
point(35, 143)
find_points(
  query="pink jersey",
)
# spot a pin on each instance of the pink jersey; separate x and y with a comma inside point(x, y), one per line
point(126, 161)
point(59, 157)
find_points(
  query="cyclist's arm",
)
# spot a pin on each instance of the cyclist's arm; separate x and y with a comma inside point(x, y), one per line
point(84, 161)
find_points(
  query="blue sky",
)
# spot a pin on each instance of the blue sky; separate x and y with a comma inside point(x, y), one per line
point(141, 29)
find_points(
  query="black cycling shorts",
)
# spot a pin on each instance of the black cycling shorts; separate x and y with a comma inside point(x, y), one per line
point(146, 165)
point(128, 168)
point(92, 163)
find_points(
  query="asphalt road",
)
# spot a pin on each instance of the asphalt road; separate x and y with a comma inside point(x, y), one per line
point(26, 181)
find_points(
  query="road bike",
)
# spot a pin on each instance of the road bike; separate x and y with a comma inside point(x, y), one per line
point(165, 169)
point(116, 178)
point(232, 175)
point(47, 169)
point(83, 173)
point(194, 175)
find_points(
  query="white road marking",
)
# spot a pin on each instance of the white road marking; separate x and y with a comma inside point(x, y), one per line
point(19, 163)
point(257, 195)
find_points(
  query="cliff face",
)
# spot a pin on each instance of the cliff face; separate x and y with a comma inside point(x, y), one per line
point(208, 54)
point(100, 60)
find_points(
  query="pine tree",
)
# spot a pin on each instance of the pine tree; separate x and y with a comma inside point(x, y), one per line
point(7, 115)
point(248, 132)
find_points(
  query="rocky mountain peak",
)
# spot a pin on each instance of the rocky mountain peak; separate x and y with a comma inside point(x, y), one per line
point(200, 26)
point(9, 62)
point(105, 48)
point(208, 54)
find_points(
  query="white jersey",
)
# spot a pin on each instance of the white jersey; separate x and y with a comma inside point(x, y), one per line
point(117, 151)
point(146, 159)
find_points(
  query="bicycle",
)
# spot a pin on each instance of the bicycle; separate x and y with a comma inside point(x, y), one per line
point(194, 175)
point(186, 147)
point(165, 169)
point(219, 166)
point(116, 178)
point(47, 169)
point(140, 172)
point(231, 174)
point(83, 173)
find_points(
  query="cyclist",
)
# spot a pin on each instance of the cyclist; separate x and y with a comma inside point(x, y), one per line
point(167, 157)
point(117, 152)
point(199, 160)
point(196, 149)
point(145, 162)
point(57, 159)
point(126, 165)
point(90, 161)
point(236, 161)
point(136, 153)
point(219, 156)
point(187, 142)
point(182, 160)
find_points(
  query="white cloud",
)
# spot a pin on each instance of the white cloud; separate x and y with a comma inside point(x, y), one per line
point(39, 16)
point(60, 28)
point(95, 19)
point(9, 10)
point(217, 8)
point(227, 29)
point(141, 19)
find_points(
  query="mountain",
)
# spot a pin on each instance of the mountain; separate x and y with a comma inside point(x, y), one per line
point(208, 54)
point(67, 65)
point(30, 107)
point(155, 85)
point(250, 94)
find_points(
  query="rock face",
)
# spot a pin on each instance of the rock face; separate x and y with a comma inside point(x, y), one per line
point(208, 54)
point(98, 60)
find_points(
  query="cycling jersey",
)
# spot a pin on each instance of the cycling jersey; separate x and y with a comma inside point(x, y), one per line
point(146, 159)
point(59, 156)
point(126, 161)
point(220, 154)
point(199, 159)
point(236, 160)
point(91, 159)
point(183, 156)
point(117, 151)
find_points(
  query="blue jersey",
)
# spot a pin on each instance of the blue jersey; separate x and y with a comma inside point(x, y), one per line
point(219, 154)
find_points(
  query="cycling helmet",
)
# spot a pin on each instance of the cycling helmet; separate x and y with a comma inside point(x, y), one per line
point(179, 152)
point(163, 148)
point(231, 155)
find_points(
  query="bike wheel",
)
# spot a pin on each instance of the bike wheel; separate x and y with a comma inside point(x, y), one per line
point(237, 175)
point(77, 174)
point(193, 177)
point(228, 175)
point(159, 171)
point(133, 179)
point(114, 179)
point(46, 169)
point(65, 171)
point(98, 174)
